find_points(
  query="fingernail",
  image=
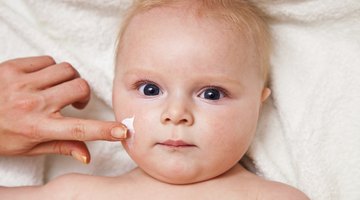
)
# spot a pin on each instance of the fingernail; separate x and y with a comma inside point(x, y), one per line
point(118, 132)
point(80, 157)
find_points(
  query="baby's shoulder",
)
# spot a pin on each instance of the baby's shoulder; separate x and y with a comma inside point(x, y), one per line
point(84, 186)
point(70, 180)
point(256, 187)
point(73, 185)
point(274, 190)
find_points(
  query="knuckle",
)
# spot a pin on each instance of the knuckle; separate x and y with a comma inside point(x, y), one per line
point(10, 63)
point(28, 103)
point(68, 69)
point(19, 85)
point(49, 58)
point(78, 131)
point(83, 87)
point(60, 147)
point(104, 133)
point(8, 70)
point(32, 133)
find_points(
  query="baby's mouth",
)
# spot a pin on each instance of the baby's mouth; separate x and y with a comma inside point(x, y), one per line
point(176, 144)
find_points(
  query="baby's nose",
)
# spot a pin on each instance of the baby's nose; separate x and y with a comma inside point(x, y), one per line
point(177, 113)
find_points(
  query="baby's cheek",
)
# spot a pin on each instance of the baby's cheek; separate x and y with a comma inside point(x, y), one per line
point(146, 120)
point(140, 127)
point(229, 135)
point(123, 104)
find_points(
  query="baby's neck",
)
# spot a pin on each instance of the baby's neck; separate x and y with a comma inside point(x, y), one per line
point(140, 175)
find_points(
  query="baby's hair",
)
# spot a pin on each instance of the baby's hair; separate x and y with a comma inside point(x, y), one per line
point(241, 14)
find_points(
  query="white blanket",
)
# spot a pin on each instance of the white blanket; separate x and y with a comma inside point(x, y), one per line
point(309, 134)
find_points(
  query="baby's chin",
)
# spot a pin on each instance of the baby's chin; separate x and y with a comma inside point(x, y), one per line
point(179, 178)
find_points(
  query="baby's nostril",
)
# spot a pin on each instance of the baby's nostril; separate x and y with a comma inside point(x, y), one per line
point(183, 121)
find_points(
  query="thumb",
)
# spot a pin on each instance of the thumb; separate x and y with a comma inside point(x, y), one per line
point(76, 149)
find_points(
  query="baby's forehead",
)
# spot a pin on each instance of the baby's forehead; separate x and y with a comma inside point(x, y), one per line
point(213, 25)
point(162, 22)
point(200, 16)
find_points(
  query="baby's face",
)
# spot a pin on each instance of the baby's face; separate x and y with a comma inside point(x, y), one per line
point(195, 92)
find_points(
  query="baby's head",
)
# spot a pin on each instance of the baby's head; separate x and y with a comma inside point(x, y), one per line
point(193, 74)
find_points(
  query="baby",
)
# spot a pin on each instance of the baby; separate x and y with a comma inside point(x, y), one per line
point(193, 77)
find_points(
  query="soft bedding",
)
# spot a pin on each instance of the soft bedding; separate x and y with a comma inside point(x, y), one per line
point(309, 134)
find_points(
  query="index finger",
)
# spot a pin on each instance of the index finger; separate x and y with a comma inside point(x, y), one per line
point(81, 130)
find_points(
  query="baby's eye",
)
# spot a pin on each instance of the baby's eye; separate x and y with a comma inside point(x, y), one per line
point(149, 89)
point(212, 94)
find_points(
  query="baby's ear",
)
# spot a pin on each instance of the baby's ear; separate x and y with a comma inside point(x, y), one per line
point(265, 94)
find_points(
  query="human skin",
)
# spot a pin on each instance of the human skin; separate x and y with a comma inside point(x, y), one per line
point(33, 91)
point(185, 56)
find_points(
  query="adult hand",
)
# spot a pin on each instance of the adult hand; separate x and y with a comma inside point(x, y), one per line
point(32, 92)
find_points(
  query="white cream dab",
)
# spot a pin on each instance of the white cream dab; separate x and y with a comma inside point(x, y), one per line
point(129, 123)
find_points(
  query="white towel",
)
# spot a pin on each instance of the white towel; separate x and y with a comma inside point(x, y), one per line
point(309, 134)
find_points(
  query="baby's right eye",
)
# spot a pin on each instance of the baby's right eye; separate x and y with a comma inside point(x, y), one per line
point(149, 89)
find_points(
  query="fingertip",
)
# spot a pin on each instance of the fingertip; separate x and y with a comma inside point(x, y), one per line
point(119, 132)
point(80, 152)
point(85, 159)
point(80, 105)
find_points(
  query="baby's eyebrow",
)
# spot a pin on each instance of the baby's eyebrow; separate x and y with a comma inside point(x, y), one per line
point(221, 78)
point(204, 78)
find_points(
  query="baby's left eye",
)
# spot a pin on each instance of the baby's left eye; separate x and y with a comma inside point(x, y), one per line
point(212, 94)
